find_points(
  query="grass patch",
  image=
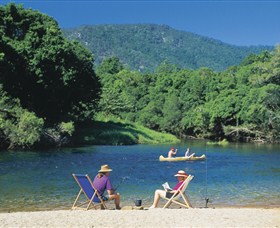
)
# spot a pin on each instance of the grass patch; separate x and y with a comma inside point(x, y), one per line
point(224, 142)
point(120, 133)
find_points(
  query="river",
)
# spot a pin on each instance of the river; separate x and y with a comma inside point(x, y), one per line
point(233, 175)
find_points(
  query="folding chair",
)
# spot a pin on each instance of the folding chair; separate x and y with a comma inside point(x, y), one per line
point(93, 198)
point(180, 193)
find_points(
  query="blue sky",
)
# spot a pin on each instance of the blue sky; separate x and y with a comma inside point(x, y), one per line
point(234, 22)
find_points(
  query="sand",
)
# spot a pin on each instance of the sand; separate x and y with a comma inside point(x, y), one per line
point(198, 217)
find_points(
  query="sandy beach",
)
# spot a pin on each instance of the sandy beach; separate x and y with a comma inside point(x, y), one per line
point(204, 217)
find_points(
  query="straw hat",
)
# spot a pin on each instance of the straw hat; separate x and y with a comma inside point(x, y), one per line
point(181, 173)
point(105, 168)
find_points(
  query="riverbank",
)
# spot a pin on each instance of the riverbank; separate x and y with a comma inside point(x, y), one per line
point(205, 217)
point(117, 132)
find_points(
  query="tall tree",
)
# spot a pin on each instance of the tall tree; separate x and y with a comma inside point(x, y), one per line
point(51, 76)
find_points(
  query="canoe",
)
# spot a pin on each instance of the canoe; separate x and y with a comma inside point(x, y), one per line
point(174, 159)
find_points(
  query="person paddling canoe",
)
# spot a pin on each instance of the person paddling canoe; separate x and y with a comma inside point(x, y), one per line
point(172, 152)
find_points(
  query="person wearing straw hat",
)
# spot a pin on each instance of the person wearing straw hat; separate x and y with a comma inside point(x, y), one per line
point(102, 182)
point(181, 176)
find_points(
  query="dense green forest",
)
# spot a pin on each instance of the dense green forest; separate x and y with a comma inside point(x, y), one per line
point(241, 103)
point(47, 82)
point(143, 47)
point(52, 94)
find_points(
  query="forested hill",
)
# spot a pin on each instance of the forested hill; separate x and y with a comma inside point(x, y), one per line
point(145, 46)
point(51, 94)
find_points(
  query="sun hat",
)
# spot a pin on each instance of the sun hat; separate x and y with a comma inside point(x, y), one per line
point(105, 168)
point(181, 173)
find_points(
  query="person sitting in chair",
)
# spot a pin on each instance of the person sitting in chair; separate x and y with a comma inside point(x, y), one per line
point(187, 154)
point(181, 176)
point(102, 182)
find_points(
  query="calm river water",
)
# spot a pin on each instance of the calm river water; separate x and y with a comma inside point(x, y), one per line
point(235, 175)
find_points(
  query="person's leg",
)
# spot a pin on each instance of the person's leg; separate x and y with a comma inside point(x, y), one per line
point(158, 194)
point(117, 198)
point(192, 155)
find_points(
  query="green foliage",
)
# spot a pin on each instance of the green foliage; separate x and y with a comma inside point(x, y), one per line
point(241, 103)
point(172, 112)
point(143, 47)
point(58, 135)
point(19, 128)
point(113, 102)
point(224, 142)
point(48, 85)
point(110, 66)
point(117, 132)
point(51, 76)
point(67, 128)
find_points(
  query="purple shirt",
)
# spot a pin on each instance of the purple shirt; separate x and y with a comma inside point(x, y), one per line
point(101, 184)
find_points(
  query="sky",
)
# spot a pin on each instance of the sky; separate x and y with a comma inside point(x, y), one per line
point(238, 22)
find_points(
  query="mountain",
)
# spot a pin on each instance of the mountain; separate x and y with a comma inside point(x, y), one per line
point(145, 46)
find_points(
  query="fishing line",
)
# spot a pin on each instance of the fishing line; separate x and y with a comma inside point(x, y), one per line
point(206, 178)
point(122, 181)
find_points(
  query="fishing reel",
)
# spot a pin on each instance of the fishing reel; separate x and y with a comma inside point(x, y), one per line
point(206, 202)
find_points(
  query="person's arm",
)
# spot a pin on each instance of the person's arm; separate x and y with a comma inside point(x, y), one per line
point(109, 187)
point(171, 191)
point(187, 152)
point(175, 188)
point(111, 192)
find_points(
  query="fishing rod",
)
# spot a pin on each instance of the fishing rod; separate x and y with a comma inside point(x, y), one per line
point(119, 184)
point(206, 178)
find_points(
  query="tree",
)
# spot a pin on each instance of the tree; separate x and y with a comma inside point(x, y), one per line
point(171, 115)
point(18, 126)
point(275, 64)
point(113, 102)
point(110, 65)
point(52, 77)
